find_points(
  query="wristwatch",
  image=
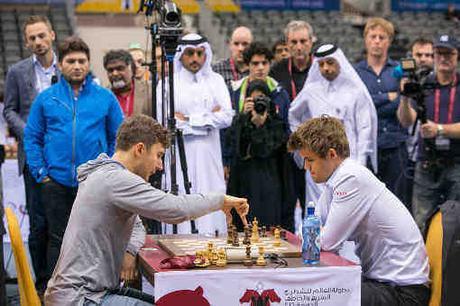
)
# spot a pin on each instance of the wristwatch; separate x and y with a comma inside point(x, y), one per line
point(440, 130)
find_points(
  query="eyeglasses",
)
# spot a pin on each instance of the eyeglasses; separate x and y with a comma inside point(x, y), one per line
point(190, 52)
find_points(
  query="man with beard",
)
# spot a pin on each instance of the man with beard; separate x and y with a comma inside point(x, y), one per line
point(133, 94)
point(70, 123)
point(202, 108)
point(24, 81)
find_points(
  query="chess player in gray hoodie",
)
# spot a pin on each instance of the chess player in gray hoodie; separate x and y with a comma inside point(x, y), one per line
point(104, 224)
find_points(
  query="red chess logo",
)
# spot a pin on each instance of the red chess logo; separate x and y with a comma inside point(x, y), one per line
point(184, 297)
point(340, 193)
point(263, 299)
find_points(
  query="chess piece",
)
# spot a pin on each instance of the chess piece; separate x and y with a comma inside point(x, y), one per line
point(214, 257)
point(264, 231)
point(201, 260)
point(210, 250)
point(246, 239)
point(235, 240)
point(255, 231)
point(229, 234)
point(277, 236)
point(248, 260)
point(261, 260)
point(222, 258)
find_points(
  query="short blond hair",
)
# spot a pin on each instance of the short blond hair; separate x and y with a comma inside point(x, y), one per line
point(374, 22)
point(319, 135)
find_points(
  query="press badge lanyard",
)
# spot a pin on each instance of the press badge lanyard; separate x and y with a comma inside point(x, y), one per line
point(437, 98)
point(233, 68)
point(293, 89)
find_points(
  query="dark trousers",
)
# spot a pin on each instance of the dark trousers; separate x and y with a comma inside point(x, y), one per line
point(38, 232)
point(59, 201)
point(392, 170)
point(382, 294)
point(431, 191)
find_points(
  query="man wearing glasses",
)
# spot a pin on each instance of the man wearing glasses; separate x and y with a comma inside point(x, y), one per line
point(437, 177)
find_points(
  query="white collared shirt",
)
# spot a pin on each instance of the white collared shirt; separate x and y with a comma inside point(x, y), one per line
point(356, 206)
point(43, 75)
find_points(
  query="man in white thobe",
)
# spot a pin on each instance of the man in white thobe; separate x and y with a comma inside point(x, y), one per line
point(202, 107)
point(335, 89)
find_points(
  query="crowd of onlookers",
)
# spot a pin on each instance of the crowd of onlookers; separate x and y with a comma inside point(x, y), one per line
point(235, 115)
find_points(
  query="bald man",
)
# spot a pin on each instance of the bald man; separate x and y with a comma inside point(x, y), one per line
point(234, 68)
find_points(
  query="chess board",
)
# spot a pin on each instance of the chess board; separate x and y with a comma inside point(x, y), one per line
point(189, 245)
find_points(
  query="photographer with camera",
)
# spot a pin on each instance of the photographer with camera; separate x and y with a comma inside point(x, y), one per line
point(258, 140)
point(437, 172)
point(258, 57)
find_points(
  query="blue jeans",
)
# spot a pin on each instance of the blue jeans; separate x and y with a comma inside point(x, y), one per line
point(38, 234)
point(430, 192)
point(121, 300)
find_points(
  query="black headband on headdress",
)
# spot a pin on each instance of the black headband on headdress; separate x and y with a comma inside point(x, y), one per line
point(326, 52)
point(193, 42)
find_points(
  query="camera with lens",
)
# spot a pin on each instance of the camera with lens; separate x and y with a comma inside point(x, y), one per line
point(417, 78)
point(261, 104)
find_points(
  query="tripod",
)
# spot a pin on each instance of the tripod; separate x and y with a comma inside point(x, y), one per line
point(166, 36)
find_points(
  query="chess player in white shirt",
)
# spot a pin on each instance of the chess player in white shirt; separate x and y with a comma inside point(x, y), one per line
point(356, 206)
point(334, 88)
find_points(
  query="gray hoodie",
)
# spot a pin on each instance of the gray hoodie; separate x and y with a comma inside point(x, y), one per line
point(104, 223)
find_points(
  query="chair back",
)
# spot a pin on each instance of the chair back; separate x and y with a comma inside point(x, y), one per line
point(434, 251)
point(27, 292)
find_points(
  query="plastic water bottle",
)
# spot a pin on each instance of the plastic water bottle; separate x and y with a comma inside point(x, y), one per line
point(311, 236)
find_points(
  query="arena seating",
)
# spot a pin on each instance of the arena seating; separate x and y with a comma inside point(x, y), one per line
point(267, 26)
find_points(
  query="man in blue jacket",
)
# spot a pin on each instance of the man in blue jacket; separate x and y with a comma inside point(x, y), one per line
point(70, 123)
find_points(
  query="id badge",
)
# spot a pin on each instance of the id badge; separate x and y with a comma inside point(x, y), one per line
point(442, 143)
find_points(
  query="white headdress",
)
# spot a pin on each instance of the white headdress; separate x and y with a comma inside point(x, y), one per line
point(193, 40)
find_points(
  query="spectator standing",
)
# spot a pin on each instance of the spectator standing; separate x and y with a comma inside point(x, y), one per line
point(202, 108)
point(376, 71)
point(422, 52)
point(280, 51)
point(70, 123)
point(24, 81)
point(132, 93)
point(437, 175)
point(234, 68)
point(291, 74)
point(256, 142)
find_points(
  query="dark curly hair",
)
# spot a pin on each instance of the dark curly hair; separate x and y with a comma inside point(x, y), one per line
point(141, 128)
point(256, 48)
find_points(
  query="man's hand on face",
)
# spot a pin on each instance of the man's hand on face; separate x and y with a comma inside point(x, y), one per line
point(128, 269)
point(239, 204)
